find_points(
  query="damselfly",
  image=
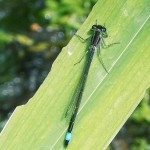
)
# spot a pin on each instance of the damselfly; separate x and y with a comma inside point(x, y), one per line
point(99, 32)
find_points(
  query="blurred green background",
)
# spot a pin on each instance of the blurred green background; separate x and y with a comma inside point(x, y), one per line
point(32, 34)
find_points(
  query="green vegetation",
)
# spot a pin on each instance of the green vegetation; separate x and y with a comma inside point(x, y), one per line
point(108, 100)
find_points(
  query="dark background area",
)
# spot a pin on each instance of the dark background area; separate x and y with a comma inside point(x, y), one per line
point(32, 34)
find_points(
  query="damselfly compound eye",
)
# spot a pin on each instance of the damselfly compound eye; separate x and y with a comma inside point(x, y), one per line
point(103, 29)
point(94, 26)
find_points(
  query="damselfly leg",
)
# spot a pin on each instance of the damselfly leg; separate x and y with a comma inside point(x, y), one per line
point(104, 45)
point(82, 39)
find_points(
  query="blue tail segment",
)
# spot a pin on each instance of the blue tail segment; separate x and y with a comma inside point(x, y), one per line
point(67, 138)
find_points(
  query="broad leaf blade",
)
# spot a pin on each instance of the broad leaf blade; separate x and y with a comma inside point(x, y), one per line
point(108, 99)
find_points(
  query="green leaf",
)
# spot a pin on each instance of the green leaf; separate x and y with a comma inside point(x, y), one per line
point(108, 99)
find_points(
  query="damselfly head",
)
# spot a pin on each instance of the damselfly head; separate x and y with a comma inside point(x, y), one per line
point(101, 29)
point(98, 27)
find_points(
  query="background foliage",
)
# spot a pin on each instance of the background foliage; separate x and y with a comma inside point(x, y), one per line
point(32, 34)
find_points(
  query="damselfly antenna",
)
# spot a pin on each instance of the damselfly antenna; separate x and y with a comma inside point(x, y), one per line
point(96, 21)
